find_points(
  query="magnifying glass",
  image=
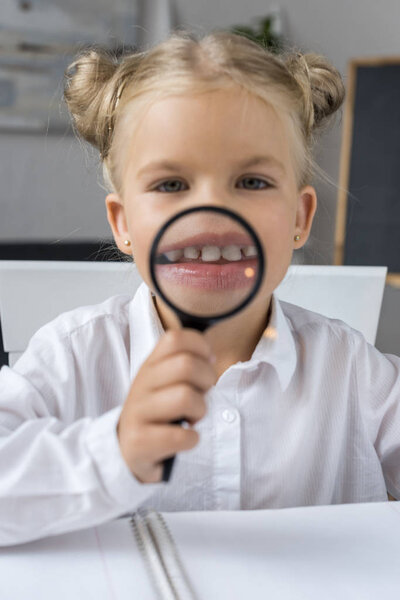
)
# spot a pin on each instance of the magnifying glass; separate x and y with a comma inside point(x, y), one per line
point(206, 263)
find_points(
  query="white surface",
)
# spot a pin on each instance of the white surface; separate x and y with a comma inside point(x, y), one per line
point(99, 563)
point(338, 552)
point(34, 292)
point(342, 552)
point(351, 294)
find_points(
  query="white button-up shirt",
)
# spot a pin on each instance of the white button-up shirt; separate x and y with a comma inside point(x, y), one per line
point(312, 418)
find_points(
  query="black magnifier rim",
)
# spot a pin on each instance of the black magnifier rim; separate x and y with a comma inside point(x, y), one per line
point(249, 229)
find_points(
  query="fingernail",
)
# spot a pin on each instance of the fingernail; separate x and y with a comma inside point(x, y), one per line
point(213, 358)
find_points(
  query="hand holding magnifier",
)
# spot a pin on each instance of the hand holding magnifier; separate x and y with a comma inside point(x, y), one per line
point(206, 263)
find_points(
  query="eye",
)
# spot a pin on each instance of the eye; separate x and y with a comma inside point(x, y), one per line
point(175, 183)
point(254, 180)
point(169, 181)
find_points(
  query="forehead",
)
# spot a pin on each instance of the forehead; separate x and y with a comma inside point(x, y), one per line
point(222, 125)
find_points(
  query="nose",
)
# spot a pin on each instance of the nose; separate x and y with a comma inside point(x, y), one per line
point(216, 197)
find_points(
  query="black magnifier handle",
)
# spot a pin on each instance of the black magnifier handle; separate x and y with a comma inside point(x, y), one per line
point(200, 325)
point(168, 463)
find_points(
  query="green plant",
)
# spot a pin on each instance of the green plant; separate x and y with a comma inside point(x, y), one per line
point(263, 34)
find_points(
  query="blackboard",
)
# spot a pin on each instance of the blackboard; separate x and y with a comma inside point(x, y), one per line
point(368, 215)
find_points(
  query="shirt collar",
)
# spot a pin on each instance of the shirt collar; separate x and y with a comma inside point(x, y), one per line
point(275, 347)
point(145, 327)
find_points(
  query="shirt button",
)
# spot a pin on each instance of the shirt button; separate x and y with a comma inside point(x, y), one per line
point(228, 416)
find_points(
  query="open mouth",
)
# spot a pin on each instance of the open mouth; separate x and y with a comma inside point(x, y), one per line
point(214, 262)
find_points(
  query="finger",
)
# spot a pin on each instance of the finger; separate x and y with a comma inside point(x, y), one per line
point(172, 403)
point(167, 439)
point(176, 341)
point(184, 368)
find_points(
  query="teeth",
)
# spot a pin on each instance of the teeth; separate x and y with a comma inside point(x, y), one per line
point(212, 253)
point(191, 252)
point(250, 251)
point(174, 255)
point(231, 253)
point(209, 253)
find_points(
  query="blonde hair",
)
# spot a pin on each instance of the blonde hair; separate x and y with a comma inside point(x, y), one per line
point(104, 93)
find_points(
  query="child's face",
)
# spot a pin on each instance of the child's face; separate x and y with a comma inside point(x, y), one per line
point(208, 136)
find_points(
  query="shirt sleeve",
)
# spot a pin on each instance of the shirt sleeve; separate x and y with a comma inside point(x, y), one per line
point(378, 382)
point(57, 474)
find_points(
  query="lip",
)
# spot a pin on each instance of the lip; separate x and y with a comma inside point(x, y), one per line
point(208, 276)
point(221, 240)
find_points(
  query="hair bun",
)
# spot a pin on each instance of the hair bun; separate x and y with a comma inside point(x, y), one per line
point(90, 95)
point(321, 83)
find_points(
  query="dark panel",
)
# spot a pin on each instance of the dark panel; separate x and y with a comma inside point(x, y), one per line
point(373, 214)
point(3, 355)
point(104, 250)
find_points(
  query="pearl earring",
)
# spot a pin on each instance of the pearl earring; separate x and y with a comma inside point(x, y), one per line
point(296, 238)
point(127, 243)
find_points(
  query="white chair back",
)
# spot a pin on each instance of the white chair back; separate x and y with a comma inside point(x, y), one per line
point(34, 292)
point(352, 294)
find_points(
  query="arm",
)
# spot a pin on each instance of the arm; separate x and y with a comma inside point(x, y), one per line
point(378, 383)
point(58, 473)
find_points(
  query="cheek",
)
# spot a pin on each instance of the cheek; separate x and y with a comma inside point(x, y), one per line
point(278, 244)
point(143, 229)
point(145, 218)
point(278, 229)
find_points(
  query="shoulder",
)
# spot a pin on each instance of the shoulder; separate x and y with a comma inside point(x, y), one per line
point(307, 323)
point(328, 338)
point(73, 361)
point(110, 315)
point(78, 340)
point(114, 309)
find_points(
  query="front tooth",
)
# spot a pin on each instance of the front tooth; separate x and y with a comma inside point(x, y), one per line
point(231, 252)
point(191, 252)
point(209, 253)
point(250, 251)
point(174, 255)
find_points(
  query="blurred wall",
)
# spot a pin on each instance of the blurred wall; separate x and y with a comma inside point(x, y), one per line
point(51, 187)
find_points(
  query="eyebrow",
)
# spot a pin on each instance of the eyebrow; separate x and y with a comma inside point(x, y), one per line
point(175, 166)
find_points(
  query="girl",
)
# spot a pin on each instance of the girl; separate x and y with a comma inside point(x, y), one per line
point(284, 407)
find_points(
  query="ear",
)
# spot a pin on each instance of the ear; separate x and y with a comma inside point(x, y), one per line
point(117, 220)
point(306, 207)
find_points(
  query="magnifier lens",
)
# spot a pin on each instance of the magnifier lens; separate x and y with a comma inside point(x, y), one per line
point(206, 263)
